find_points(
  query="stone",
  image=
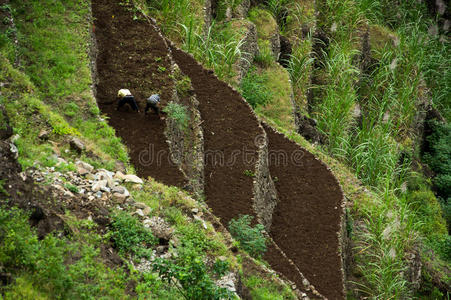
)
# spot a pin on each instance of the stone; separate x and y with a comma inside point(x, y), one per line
point(120, 166)
point(44, 134)
point(14, 150)
point(305, 282)
point(119, 176)
point(139, 212)
point(99, 194)
point(119, 198)
point(140, 205)
point(105, 189)
point(160, 249)
point(83, 168)
point(77, 145)
point(120, 190)
point(133, 179)
point(98, 185)
point(195, 211)
point(159, 227)
point(91, 177)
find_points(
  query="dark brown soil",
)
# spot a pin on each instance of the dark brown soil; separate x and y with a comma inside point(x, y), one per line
point(307, 217)
point(132, 55)
point(229, 132)
point(305, 223)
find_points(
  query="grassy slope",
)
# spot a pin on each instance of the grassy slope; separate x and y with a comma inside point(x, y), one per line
point(51, 91)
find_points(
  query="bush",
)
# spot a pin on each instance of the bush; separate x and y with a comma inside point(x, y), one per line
point(129, 235)
point(190, 273)
point(251, 239)
point(254, 90)
point(178, 113)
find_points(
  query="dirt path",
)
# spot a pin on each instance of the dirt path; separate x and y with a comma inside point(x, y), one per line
point(307, 218)
point(132, 55)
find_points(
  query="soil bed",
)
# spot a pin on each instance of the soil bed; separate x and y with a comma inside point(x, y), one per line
point(132, 55)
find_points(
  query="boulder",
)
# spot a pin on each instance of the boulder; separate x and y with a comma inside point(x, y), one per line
point(83, 168)
point(159, 227)
point(77, 145)
point(133, 179)
point(119, 176)
point(121, 190)
point(99, 185)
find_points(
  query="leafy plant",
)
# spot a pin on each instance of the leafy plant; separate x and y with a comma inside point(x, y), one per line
point(251, 239)
point(254, 90)
point(189, 275)
point(129, 235)
point(178, 113)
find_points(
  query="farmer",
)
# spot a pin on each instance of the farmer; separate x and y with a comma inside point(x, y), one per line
point(125, 96)
point(153, 102)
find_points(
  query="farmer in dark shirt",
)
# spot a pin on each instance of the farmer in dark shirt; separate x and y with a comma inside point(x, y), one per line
point(153, 102)
point(125, 96)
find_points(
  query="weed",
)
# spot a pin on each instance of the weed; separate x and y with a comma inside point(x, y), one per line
point(249, 173)
point(72, 188)
point(129, 235)
point(254, 90)
point(178, 113)
point(251, 239)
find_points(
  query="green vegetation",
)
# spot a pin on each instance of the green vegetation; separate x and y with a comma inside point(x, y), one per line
point(130, 236)
point(262, 291)
point(55, 82)
point(178, 113)
point(190, 272)
point(254, 90)
point(251, 239)
point(40, 267)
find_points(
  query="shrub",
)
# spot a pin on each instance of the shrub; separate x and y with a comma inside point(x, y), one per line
point(129, 235)
point(254, 90)
point(251, 239)
point(189, 275)
point(178, 113)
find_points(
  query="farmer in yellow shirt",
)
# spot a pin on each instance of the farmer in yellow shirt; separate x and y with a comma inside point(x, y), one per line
point(125, 96)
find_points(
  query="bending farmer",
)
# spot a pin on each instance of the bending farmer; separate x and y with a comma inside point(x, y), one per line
point(153, 102)
point(124, 96)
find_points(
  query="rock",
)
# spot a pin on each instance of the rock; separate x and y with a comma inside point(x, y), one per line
point(83, 168)
point(77, 145)
point(227, 282)
point(139, 212)
point(14, 150)
point(120, 190)
point(99, 194)
point(140, 205)
point(91, 177)
point(97, 186)
point(119, 198)
point(305, 282)
point(195, 211)
point(105, 189)
point(44, 134)
point(133, 179)
point(160, 249)
point(159, 227)
point(119, 176)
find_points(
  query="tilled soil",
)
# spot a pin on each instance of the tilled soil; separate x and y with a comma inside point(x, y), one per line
point(132, 55)
point(229, 141)
point(307, 217)
point(229, 127)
